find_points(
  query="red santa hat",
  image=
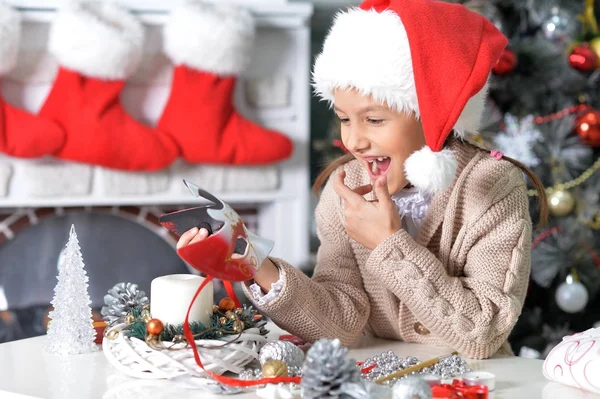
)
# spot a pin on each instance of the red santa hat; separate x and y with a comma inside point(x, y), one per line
point(429, 58)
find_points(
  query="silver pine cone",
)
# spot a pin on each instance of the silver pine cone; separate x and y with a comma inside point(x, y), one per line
point(327, 373)
point(121, 299)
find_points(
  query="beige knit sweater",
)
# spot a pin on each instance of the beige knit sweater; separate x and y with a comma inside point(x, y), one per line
point(460, 284)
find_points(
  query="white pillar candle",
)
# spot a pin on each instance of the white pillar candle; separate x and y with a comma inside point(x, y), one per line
point(171, 295)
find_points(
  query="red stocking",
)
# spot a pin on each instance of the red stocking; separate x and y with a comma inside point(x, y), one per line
point(210, 46)
point(21, 133)
point(98, 46)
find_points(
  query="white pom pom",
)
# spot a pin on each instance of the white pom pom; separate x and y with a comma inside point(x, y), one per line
point(431, 172)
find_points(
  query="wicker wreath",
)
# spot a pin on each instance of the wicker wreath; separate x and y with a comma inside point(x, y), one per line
point(134, 357)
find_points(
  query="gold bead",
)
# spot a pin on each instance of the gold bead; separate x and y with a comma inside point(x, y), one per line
point(222, 320)
point(129, 319)
point(230, 315)
point(112, 334)
point(179, 339)
point(238, 326)
point(274, 368)
point(561, 202)
point(146, 316)
point(152, 341)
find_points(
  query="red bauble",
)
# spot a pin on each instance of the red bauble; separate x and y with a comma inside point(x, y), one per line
point(588, 128)
point(583, 58)
point(506, 63)
point(155, 327)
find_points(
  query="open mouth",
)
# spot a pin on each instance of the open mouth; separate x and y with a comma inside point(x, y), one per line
point(378, 166)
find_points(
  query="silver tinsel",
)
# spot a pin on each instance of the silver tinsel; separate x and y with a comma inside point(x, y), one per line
point(327, 373)
point(388, 363)
point(121, 299)
point(285, 351)
point(411, 388)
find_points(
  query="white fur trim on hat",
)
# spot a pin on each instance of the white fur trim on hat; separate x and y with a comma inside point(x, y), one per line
point(431, 172)
point(369, 51)
point(97, 40)
point(210, 37)
point(10, 35)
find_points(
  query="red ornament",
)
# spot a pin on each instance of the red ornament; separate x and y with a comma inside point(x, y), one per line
point(155, 327)
point(226, 304)
point(506, 63)
point(583, 58)
point(588, 128)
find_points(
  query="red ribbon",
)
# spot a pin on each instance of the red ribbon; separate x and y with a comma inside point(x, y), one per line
point(459, 390)
point(187, 332)
point(231, 293)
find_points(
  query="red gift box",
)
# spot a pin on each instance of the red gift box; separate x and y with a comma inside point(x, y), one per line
point(459, 390)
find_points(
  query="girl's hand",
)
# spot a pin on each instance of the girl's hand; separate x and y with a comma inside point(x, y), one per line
point(368, 223)
point(191, 236)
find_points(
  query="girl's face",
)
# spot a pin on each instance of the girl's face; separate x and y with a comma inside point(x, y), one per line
point(380, 138)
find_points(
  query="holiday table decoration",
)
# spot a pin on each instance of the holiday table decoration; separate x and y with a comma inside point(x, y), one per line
point(576, 361)
point(387, 368)
point(71, 330)
point(143, 346)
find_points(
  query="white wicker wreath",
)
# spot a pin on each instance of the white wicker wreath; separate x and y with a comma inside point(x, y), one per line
point(134, 357)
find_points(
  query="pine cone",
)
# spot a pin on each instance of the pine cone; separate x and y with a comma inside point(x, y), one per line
point(328, 374)
point(122, 299)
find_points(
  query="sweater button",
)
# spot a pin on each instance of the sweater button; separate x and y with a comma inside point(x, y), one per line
point(421, 329)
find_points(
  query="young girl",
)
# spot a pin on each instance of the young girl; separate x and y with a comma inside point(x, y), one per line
point(424, 237)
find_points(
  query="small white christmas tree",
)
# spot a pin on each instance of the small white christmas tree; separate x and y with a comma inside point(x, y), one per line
point(71, 329)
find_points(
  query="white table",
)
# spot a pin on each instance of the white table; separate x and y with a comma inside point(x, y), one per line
point(26, 371)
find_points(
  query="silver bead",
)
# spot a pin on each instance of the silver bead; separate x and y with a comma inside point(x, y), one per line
point(285, 351)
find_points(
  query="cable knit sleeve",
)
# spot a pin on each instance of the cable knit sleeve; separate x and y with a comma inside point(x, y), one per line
point(331, 304)
point(476, 311)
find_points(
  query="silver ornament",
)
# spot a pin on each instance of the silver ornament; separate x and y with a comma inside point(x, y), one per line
point(388, 363)
point(411, 388)
point(559, 25)
point(285, 351)
point(121, 300)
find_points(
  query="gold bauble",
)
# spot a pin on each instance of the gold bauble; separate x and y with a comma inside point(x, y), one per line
point(561, 202)
point(274, 368)
point(222, 321)
point(112, 334)
point(595, 45)
point(129, 319)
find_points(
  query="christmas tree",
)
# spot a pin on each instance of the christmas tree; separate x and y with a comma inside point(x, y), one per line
point(543, 109)
point(70, 329)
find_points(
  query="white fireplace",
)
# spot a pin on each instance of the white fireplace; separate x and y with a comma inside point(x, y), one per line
point(274, 91)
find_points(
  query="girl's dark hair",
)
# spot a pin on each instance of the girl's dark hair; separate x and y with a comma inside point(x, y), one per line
point(535, 181)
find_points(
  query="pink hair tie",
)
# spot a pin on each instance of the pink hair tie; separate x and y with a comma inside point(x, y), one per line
point(497, 154)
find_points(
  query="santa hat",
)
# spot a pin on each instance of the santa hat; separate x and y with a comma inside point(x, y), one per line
point(429, 58)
